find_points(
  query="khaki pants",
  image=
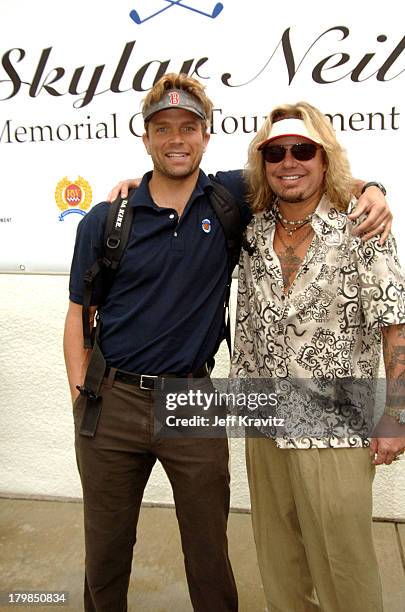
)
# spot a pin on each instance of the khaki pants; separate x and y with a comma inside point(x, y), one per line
point(311, 513)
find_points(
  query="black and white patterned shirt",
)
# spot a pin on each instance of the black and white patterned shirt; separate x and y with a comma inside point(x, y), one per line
point(322, 339)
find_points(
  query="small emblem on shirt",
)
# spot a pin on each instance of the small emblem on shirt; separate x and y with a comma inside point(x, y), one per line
point(206, 225)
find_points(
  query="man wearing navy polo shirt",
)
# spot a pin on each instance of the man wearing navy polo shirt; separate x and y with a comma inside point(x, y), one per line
point(164, 314)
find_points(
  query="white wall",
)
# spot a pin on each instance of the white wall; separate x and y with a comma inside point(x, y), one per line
point(36, 426)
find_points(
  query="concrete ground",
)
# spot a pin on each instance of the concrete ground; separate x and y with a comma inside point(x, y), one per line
point(41, 548)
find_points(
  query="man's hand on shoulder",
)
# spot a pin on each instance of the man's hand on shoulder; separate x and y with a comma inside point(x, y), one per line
point(122, 188)
point(373, 203)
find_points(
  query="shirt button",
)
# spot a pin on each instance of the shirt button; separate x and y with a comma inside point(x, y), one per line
point(171, 216)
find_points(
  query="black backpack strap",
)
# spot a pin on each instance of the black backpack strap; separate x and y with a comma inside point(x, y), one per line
point(88, 327)
point(116, 234)
point(91, 391)
point(228, 212)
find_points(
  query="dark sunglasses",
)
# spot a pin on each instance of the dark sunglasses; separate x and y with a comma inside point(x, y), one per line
point(304, 151)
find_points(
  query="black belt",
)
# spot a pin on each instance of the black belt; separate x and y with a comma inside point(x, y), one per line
point(148, 381)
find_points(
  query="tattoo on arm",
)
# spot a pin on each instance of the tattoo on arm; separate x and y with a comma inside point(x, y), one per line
point(397, 359)
point(401, 331)
point(394, 358)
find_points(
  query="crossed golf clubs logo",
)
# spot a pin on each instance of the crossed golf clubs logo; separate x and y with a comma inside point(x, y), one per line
point(170, 3)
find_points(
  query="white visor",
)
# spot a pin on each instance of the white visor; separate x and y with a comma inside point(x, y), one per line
point(289, 127)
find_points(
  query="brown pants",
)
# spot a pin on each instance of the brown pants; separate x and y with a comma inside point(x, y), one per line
point(114, 468)
point(311, 513)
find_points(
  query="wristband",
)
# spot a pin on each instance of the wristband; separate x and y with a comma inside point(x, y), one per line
point(375, 184)
point(399, 415)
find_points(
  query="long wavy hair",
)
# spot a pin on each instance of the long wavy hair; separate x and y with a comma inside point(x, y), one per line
point(173, 80)
point(338, 178)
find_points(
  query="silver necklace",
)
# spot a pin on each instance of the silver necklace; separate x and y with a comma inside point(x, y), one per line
point(295, 221)
point(291, 230)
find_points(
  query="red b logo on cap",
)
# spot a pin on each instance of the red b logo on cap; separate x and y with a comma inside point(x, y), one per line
point(174, 98)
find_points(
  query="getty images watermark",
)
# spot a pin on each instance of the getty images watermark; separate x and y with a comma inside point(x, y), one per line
point(189, 408)
point(213, 404)
point(292, 408)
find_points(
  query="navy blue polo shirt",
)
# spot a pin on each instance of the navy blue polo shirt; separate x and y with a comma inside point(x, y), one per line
point(164, 312)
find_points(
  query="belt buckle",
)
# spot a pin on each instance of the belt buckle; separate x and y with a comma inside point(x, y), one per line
point(141, 385)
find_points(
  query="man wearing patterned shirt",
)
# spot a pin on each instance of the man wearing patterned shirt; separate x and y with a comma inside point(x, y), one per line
point(313, 303)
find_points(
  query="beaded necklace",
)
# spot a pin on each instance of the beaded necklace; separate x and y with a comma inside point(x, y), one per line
point(294, 225)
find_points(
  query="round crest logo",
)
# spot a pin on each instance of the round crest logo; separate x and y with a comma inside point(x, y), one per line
point(206, 225)
point(73, 197)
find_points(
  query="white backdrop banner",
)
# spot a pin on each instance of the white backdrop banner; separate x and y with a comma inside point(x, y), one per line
point(73, 75)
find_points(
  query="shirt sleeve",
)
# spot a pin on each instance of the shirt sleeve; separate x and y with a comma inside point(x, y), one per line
point(234, 181)
point(381, 281)
point(243, 358)
point(88, 247)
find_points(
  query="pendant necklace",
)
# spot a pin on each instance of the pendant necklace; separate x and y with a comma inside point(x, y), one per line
point(291, 230)
point(291, 257)
point(295, 224)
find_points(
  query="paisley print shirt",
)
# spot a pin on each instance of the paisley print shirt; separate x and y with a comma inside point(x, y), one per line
point(317, 346)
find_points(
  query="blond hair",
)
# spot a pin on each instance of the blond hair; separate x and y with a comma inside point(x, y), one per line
point(173, 80)
point(338, 178)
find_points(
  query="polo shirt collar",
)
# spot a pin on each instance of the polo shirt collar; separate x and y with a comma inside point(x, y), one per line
point(141, 195)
